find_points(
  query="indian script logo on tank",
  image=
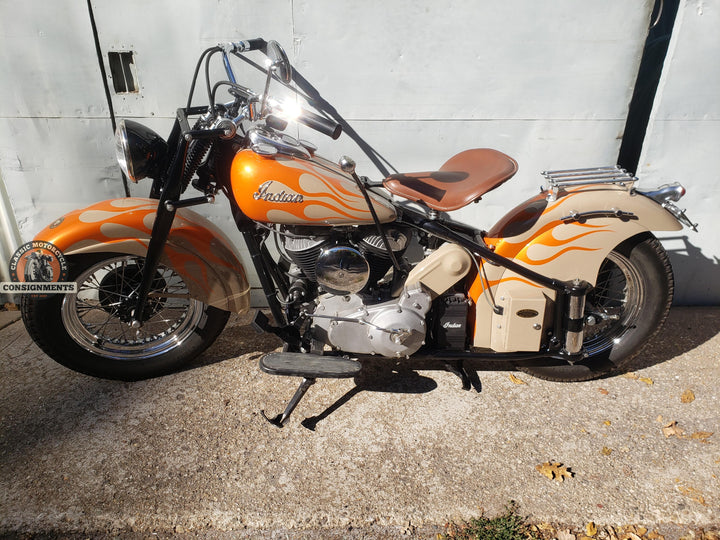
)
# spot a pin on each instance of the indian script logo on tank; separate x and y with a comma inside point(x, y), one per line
point(38, 268)
point(264, 193)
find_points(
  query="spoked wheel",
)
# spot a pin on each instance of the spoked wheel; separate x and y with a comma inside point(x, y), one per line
point(91, 331)
point(625, 309)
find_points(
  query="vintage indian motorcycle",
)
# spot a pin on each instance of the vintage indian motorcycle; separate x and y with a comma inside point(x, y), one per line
point(568, 285)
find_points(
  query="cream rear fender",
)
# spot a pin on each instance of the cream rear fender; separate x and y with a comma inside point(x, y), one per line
point(566, 239)
point(196, 248)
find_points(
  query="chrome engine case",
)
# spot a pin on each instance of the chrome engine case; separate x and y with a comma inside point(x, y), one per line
point(395, 328)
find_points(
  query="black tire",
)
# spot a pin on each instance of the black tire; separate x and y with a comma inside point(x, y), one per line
point(633, 291)
point(89, 331)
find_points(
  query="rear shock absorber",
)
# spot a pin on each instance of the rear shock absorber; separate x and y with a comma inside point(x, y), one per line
point(575, 315)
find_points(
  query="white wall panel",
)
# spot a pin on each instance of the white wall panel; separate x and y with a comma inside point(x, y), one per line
point(56, 165)
point(56, 147)
point(48, 65)
point(168, 37)
point(465, 59)
point(682, 144)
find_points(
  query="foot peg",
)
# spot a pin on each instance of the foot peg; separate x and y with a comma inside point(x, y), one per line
point(309, 367)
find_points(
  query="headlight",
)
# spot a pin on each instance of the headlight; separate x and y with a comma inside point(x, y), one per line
point(139, 150)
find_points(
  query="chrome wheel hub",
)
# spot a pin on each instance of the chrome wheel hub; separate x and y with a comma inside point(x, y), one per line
point(99, 316)
point(613, 306)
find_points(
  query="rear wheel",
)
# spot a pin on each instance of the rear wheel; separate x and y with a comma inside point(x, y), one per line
point(625, 309)
point(90, 331)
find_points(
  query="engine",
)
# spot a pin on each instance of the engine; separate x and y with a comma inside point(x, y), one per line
point(343, 261)
point(394, 328)
point(353, 310)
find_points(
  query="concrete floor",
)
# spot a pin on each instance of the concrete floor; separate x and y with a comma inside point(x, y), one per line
point(190, 454)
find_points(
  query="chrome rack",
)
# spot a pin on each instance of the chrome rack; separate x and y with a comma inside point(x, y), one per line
point(581, 177)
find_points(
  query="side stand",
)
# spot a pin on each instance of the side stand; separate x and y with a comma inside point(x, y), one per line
point(309, 367)
point(279, 420)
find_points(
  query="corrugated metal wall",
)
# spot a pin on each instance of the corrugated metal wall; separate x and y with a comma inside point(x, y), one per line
point(548, 83)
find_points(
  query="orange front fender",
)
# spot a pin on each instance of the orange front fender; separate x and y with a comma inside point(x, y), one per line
point(196, 249)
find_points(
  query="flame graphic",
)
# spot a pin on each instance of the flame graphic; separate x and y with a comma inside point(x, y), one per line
point(194, 244)
point(330, 197)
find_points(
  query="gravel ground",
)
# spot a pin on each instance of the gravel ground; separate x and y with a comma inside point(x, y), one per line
point(400, 450)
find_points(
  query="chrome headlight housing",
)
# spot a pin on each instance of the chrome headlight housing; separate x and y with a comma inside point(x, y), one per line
point(140, 151)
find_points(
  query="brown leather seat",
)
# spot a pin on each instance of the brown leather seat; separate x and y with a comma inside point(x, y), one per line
point(463, 178)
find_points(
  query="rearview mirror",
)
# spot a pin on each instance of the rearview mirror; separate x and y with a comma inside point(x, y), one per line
point(280, 63)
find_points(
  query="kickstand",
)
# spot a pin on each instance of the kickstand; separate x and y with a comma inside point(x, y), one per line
point(458, 369)
point(280, 419)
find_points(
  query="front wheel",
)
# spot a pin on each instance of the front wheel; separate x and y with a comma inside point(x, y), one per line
point(90, 331)
point(625, 309)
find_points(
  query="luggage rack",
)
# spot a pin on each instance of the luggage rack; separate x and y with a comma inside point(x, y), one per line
point(582, 177)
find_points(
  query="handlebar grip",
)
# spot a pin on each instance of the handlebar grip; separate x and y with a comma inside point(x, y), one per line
point(249, 45)
point(321, 124)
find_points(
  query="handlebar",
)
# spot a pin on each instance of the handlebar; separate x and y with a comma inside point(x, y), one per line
point(314, 121)
point(320, 123)
point(244, 46)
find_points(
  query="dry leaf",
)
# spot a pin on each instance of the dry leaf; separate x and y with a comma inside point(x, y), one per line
point(565, 535)
point(654, 535)
point(647, 380)
point(640, 530)
point(687, 396)
point(607, 422)
point(514, 379)
point(673, 429)
point(631, 375)
point(703, 436)
point(659, 419)
point(554, 471)
point(591, 529)
point(606, 451)
point(692, 493)
point(603, 391)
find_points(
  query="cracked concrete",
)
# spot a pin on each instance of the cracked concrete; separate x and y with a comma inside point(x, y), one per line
point(403, 451)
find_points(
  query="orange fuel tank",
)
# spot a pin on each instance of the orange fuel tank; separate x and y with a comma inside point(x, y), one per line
point(294, 191)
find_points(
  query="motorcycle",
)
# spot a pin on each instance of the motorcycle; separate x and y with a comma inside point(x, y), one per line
point(568, 285)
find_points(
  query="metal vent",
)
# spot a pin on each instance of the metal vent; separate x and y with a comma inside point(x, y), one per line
point(123, 72)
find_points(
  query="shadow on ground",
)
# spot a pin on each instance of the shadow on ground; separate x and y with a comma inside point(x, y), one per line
point(685, 330)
